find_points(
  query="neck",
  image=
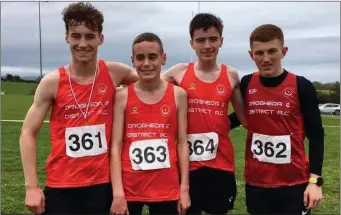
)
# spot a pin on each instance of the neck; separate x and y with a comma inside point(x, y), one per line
point(277, 73)
point(83, 68)
point(207, 66)
point(150, 85)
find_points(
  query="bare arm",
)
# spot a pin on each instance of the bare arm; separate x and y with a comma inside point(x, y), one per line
point(182, 146)
point(237, 98)
point(33, 121)
point(117, 141)
point(175, 73)
point(122, 73)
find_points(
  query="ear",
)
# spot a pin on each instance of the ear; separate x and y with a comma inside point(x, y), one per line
point(284, 51)
point(191, 43)
point(221, 41)
point(101, 38)
point(67, 37)
point(164, 58)
point(251, 54)
point(132, 61)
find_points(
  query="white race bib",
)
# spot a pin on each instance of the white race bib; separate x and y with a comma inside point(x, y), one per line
point(149, 154)
point(85, 141)
point(271, 149)
point(202, 147)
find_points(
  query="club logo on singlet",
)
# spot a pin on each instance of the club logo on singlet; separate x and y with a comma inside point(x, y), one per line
point(102, 88)
point(192, 86)
point(220, 89)
point(288, 91)
point(134, 110)
point(165, 110)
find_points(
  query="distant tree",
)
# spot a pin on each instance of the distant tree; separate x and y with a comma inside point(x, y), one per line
point(9, 77)
point(17, 78)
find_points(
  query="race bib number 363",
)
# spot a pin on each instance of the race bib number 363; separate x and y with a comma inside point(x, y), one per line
point(149, 154)
point(202, 147)
point(271, 149)
point(85, 141)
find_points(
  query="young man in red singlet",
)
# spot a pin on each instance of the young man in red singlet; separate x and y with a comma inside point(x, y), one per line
point(149, 138)
point(282, 109)
point(80, 96)
point(210, 87)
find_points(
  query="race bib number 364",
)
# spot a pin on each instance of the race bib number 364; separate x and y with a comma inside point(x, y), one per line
point(202, 147)
point(85, 141)
point(149, 154)
point(271, 149)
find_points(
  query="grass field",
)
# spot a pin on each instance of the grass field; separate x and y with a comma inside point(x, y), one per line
point(17, 88)
point(12, 180)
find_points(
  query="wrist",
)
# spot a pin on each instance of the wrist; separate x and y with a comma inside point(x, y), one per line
point(31, 185)
point(184, 187)
point(315, 179)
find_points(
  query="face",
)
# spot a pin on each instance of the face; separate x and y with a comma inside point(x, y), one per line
point(206, 43)
point(268, 56)
point(83, 42)
point(148, 60)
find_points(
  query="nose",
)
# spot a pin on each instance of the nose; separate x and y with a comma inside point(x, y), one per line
point(266, 58)
point(83, 43)
point(207, 44)
point(146, 63)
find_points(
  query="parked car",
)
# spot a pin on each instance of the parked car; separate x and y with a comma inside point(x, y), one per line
point(330, 108)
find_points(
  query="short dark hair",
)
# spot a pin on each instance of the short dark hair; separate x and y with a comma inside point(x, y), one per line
point(77, 13)
point(266, 33)
point(150, 37)
point(205, 21)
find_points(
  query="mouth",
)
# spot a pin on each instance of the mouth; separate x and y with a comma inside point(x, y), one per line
point(267, 66)
point(83, 51)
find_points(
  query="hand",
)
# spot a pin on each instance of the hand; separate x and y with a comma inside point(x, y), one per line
point(312, 196)
point(119, 206)
point(184, 202)
point(35, 200)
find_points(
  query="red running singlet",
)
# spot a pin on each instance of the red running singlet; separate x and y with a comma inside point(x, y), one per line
point(274, 153)
point(80, 153)
point(208, 124)
point(149, 154)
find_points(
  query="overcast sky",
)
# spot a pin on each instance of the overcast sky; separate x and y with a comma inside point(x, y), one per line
point(312, 33)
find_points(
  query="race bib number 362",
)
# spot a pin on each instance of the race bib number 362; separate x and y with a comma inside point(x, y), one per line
point(149, 154)
point(203, 146)
point(85, 141)
point(271, 149)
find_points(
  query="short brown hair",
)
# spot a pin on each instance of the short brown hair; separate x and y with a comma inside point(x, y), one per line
point(150, 37)
point(266, 33)
point(78, 13)
point(205, 21)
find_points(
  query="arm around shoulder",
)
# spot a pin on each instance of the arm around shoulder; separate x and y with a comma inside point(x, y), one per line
point(122, 73)
point(175, 73)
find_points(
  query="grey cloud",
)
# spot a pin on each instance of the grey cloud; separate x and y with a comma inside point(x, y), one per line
point(311, 31)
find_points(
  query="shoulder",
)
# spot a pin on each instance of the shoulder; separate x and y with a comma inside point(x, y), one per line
point(304, 85)
point(180, 92)
point(118, 67)
point(121, 97)
point(232, 72)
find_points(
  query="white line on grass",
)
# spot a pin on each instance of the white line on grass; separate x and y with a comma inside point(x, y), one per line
point(9, 120)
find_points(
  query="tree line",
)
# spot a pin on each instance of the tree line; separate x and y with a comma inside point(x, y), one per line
point(17, 78)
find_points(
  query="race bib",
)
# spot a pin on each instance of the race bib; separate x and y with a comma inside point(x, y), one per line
point(202, 147)
point(149, 154)
point(85, 141)
point(271, 149)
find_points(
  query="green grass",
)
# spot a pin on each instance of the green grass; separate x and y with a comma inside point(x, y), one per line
point(12, 186)
point(17, 88)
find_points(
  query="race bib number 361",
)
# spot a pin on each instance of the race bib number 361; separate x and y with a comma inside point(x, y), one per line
point(149, 154)
point(85, 141)
point(202, 147)
point(271, 149)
